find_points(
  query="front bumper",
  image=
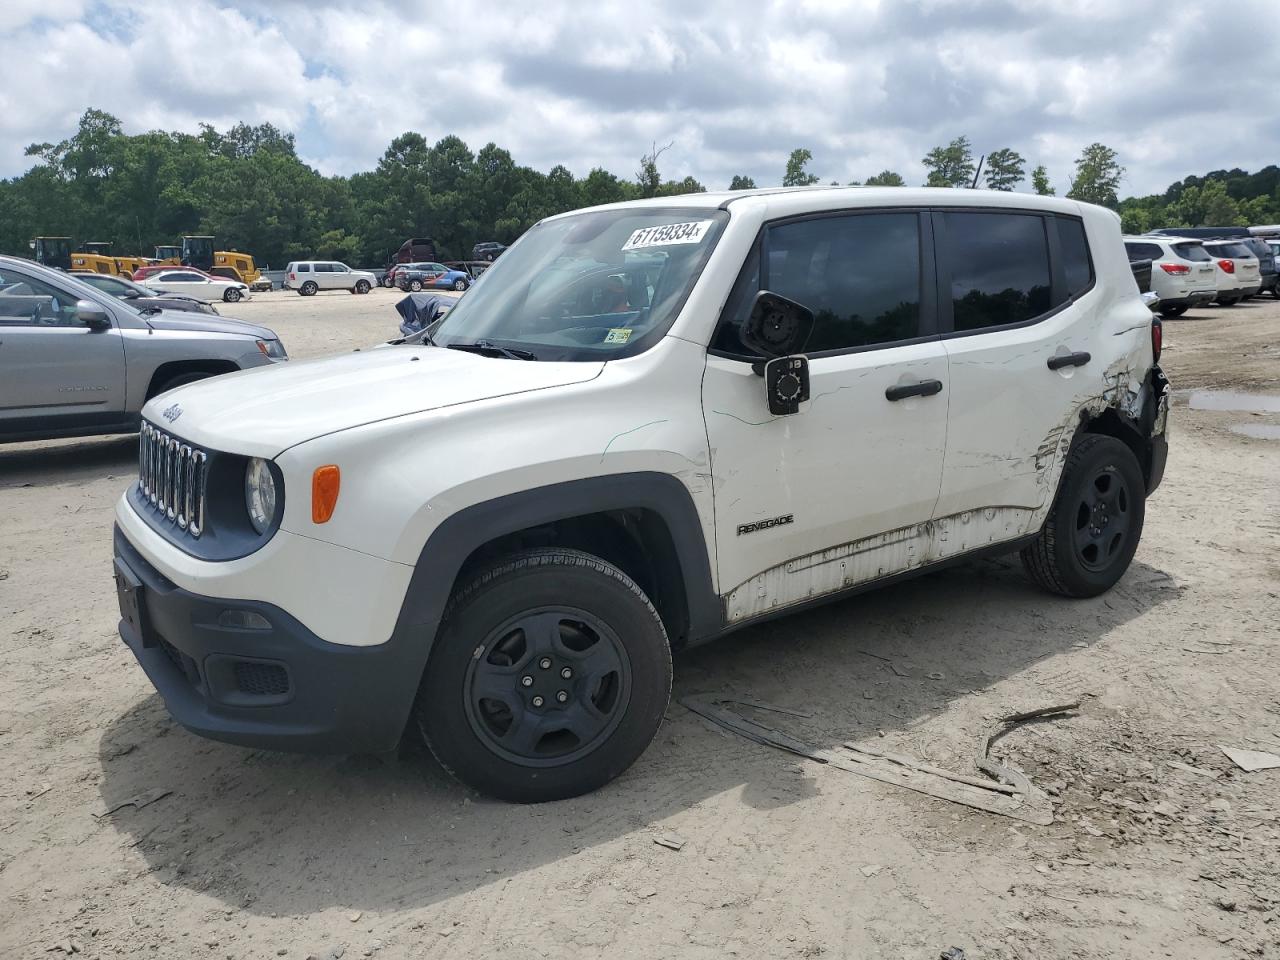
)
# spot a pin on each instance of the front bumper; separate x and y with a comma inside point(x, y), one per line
point(280, 687)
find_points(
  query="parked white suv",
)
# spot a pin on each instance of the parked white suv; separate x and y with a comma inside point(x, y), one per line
point(1183, 275)
point(309, 277)
point(653, 423)
point(1238, 271)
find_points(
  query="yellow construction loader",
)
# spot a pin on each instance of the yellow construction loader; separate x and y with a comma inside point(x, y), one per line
point(198, 252)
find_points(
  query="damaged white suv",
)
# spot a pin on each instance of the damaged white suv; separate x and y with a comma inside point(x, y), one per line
point(653, 423)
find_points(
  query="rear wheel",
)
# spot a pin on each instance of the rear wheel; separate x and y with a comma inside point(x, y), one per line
point(231, 295)
point(308, 289)
point(415, 285)
point(1168, 312)
point(362, 287)
point(549, 677)
point(1095, 523)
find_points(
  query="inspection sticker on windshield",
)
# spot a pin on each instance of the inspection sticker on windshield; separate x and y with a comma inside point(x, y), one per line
point(668, 234)
point(618, 335)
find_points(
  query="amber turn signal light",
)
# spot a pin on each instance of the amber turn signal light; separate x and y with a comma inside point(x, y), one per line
point(325, 483)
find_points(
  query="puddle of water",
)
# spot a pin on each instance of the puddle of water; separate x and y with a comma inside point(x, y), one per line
point(1260, 431)
point(1231, 400)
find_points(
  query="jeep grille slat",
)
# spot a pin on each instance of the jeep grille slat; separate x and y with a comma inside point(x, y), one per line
point(171, 477)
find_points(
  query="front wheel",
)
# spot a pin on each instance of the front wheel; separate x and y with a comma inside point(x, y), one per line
point(231, 295)
point(459, 285)
point(1094, 526)
point(549, 677)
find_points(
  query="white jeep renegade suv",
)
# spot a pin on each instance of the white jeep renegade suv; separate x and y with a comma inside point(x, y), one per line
point(653, 423)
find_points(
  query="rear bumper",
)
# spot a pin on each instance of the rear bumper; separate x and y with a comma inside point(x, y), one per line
point(1156, 422)
point(280, 687)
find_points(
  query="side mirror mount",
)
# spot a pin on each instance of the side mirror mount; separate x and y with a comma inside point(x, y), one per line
point(777, 326)
point(92, 316)
point(786, 381)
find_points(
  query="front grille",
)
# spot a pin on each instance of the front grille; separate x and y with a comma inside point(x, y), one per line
point(261, 679)
point(171, 476)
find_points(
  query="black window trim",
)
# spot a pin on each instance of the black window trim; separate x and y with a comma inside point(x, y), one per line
point(929, 322)
point(1057, 272)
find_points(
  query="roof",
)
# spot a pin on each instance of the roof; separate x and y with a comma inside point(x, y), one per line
point(788, 201)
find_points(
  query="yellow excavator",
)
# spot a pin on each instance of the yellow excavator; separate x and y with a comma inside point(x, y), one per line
point(198, 252)
point(96, 257)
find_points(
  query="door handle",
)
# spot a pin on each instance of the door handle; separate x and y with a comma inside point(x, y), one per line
point(922, 388)
point(1068, 360)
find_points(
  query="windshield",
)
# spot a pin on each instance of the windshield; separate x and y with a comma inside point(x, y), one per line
point(595, 286)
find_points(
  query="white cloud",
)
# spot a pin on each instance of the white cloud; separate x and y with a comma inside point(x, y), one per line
point(865, 85)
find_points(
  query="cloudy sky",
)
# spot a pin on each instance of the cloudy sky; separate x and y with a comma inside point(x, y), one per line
point(1176, 87)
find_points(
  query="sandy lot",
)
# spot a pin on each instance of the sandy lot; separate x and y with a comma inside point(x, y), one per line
point(1160, 847)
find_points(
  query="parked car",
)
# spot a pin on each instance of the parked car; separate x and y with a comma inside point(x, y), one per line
point(390, 279)
point(431, 275)
point(1269, 278)
point(488, 251)
point(309, 277)
point(151, 269)
point(143, 297)
point(200, 286)
point(654, 424)
point(1238, 274)
point(78, 361)
point(1183, 275)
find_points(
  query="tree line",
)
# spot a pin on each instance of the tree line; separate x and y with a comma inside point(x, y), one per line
point(247, 187)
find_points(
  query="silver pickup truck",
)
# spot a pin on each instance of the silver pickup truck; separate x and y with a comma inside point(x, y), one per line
point(75, 361)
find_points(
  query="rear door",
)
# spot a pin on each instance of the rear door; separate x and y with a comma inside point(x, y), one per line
point(54, 371)
point(186, 282)
point(841, 492)
point(1005, 312)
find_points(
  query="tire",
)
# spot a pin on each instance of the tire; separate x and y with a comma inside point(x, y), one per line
point(1170, 312)
point(588, 618)
point(388, 282)
point(459, 285)
point(308, 289)
point(362, 287)
point(182, 379)
point(231, 295)
point(1093, 528)
point(415, 285)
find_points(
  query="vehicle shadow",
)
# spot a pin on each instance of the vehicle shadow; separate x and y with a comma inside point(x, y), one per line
point(292, 835)
point(64, 461)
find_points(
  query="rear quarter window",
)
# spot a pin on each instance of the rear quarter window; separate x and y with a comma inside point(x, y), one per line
point(1077, 264)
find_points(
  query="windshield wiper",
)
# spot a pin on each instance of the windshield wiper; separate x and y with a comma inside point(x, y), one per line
point(489, 347)
point(146, 310)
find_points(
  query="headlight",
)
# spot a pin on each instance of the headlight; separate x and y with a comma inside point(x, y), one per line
point(273, 349)
point(260, 494)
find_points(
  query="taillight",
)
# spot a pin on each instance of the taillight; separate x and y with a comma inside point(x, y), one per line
point(1228, 266)
point(293, 276)
point(1157, 339)
point(1177, 269)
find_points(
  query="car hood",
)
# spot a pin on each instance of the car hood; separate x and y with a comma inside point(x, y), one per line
point(206, 323)
point(265, 411)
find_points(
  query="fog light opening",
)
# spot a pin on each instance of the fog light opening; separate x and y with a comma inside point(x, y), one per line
point(243, 620)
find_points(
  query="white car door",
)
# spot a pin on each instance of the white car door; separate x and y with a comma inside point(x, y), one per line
point(841, 492)
point(1021, 333)
point(187, 283)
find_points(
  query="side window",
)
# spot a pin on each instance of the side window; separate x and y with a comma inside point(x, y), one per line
point(304, 268)
point(999, 268)
point(1077, 266)
point(859, 274)
point(322, 268)
point(26, 301)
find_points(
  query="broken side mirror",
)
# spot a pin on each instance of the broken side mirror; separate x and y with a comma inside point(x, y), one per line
point(777, 326)
point(786, 382)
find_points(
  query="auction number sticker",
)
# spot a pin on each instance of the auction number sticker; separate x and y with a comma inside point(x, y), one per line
point(667, 234)
point(618, 335)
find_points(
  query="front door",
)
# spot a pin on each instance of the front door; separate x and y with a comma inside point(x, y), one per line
point(841, 492)
point(54, 371)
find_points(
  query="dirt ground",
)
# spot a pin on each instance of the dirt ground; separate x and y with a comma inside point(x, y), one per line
point(1160, 846)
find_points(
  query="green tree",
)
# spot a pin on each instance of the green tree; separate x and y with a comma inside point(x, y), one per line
point(950, 166)
point(1040, 182)
point(796, 175)
point(1005, 169)
point(740, 182)
point(1098, 175)
point(885, 178)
